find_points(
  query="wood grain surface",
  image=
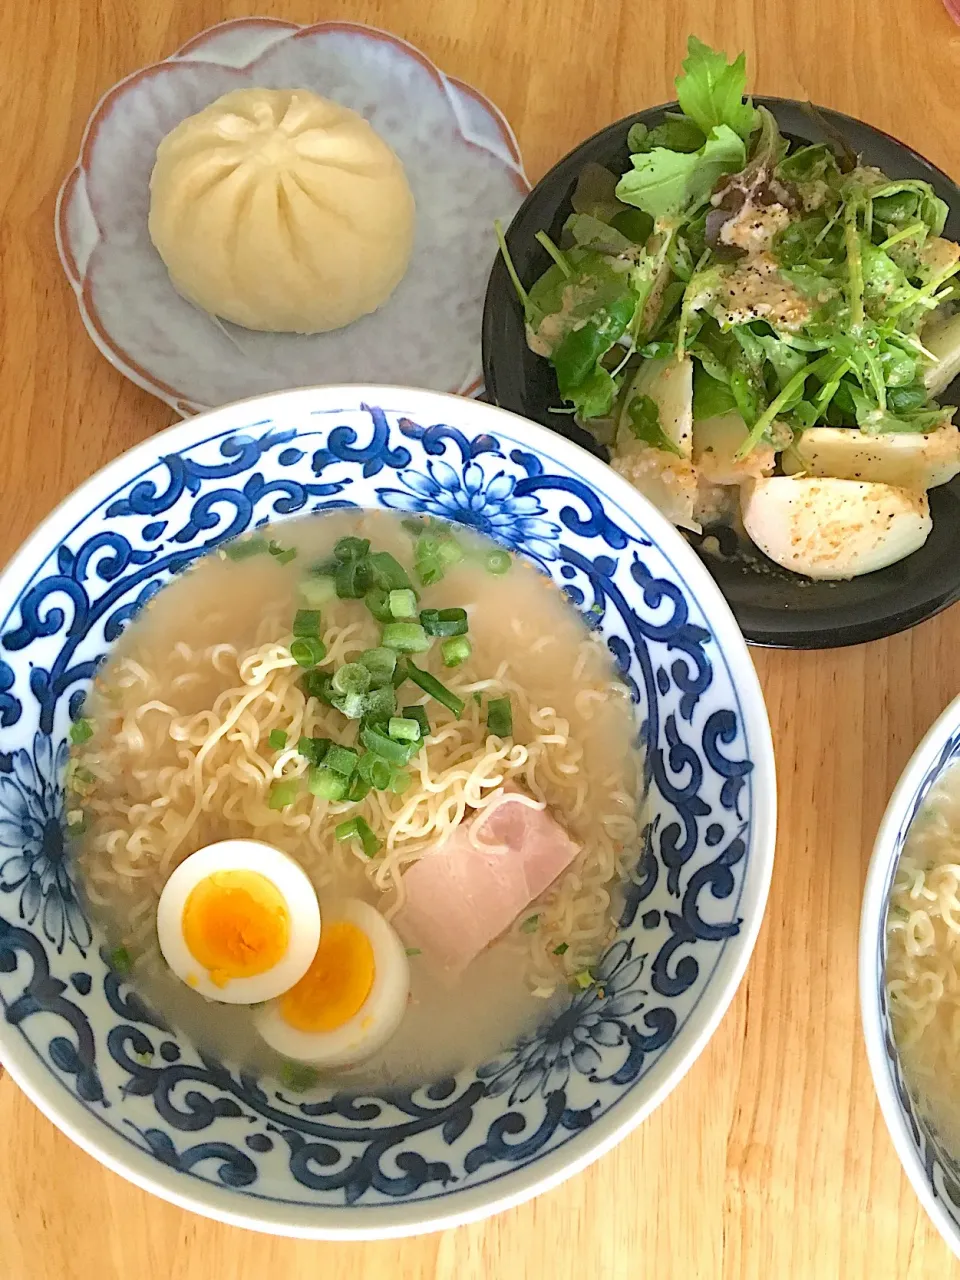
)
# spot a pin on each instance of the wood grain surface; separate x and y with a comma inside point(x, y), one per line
point(771, 1160)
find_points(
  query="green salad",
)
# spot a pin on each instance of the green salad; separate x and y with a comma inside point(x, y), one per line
point(736, 310)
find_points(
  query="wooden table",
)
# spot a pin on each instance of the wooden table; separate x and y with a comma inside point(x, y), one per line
point(771, 1159)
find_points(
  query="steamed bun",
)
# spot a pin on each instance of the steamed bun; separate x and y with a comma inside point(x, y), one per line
point(280, 210)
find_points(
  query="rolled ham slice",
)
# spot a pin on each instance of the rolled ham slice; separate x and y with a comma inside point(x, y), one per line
point(467, 891)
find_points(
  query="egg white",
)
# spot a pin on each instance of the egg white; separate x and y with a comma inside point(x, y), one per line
point(290, 881)
point(374, 1022)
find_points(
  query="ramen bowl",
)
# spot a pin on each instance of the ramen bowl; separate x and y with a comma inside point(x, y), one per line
point(205, 1134)
point(933, 1168)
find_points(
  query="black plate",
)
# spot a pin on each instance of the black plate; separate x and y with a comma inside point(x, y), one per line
point(773, 606)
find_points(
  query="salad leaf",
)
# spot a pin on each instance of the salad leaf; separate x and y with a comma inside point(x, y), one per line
point(595, 396)
point(711, 398)
point(908, 200)
point(711, 90)
point(677, 133)
point(643, 419)
point(873, 420)
point(582, 380)
point(883, 280)
point(785, 359)
point(636, 137)
point(595, 193)
point(663, 182)
point(815, 163)
point(635, 224)
point(592, 233)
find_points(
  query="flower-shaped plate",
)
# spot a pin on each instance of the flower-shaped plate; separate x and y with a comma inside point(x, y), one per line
point(462, 162)
point(140, 1095)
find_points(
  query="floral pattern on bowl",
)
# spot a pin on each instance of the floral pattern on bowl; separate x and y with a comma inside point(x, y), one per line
point(462, 161)
point(206, 1134)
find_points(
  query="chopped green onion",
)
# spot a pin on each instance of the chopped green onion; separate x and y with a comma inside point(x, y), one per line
point(429, 570)
point(76, 822)
point(341, 760)
point(120, 960)
point(477, 698)
point(381, 745)
point(403, 604)
point(583, 979)
point(80, 731)
point(530, 925)
point(326, 784)
point(444, 622)
point(282, 555)
point(401, 674)
point(375, 771)
point(427, 547)
point(307, 652)
point(497, 562)
point(317, 684)
point(324, 568)
point(277, 739)
point(596, 608)
point(500, 717)
point(388, 572)
point(455, 650)
point(352, 677)
point(307, 623)
point(420, 715)
point(314, 749)
point(399, 782)
point(351, 549)
point(406, 637)
point(246, 547)
point(379, 704)
point(562, 950)
point(284, 793)
point(79, 774)
point(318, 591)
point(381, 663)
point(359, 790)
point(378, 602)
point(358, 829)
point(402, 730)
point(352, 579)
point(352, 705)
point(430, 684)
point(298, 1076)
point(414, 951)
point(449, 552)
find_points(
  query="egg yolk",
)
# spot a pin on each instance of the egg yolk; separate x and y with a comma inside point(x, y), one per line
point(337, 983)
point(236, 925)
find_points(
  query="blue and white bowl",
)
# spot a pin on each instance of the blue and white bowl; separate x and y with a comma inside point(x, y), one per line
point(933, 1170)
point(207, 1136)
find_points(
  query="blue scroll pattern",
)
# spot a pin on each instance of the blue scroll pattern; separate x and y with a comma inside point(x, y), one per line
point(212, 1121)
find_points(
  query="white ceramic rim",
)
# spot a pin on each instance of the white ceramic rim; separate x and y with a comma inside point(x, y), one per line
point(547, 1172)
point(872, 920)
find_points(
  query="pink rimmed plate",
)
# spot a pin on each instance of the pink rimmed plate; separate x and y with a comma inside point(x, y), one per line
point(462, 161)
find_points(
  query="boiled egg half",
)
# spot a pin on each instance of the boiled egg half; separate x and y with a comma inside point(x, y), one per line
point(351, 999)
point(239, 922)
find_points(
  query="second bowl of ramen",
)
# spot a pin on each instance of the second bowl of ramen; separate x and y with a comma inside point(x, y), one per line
point(910, 971)
point(387, 812)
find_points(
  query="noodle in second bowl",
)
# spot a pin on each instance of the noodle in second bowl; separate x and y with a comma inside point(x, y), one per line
point(923, 955)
